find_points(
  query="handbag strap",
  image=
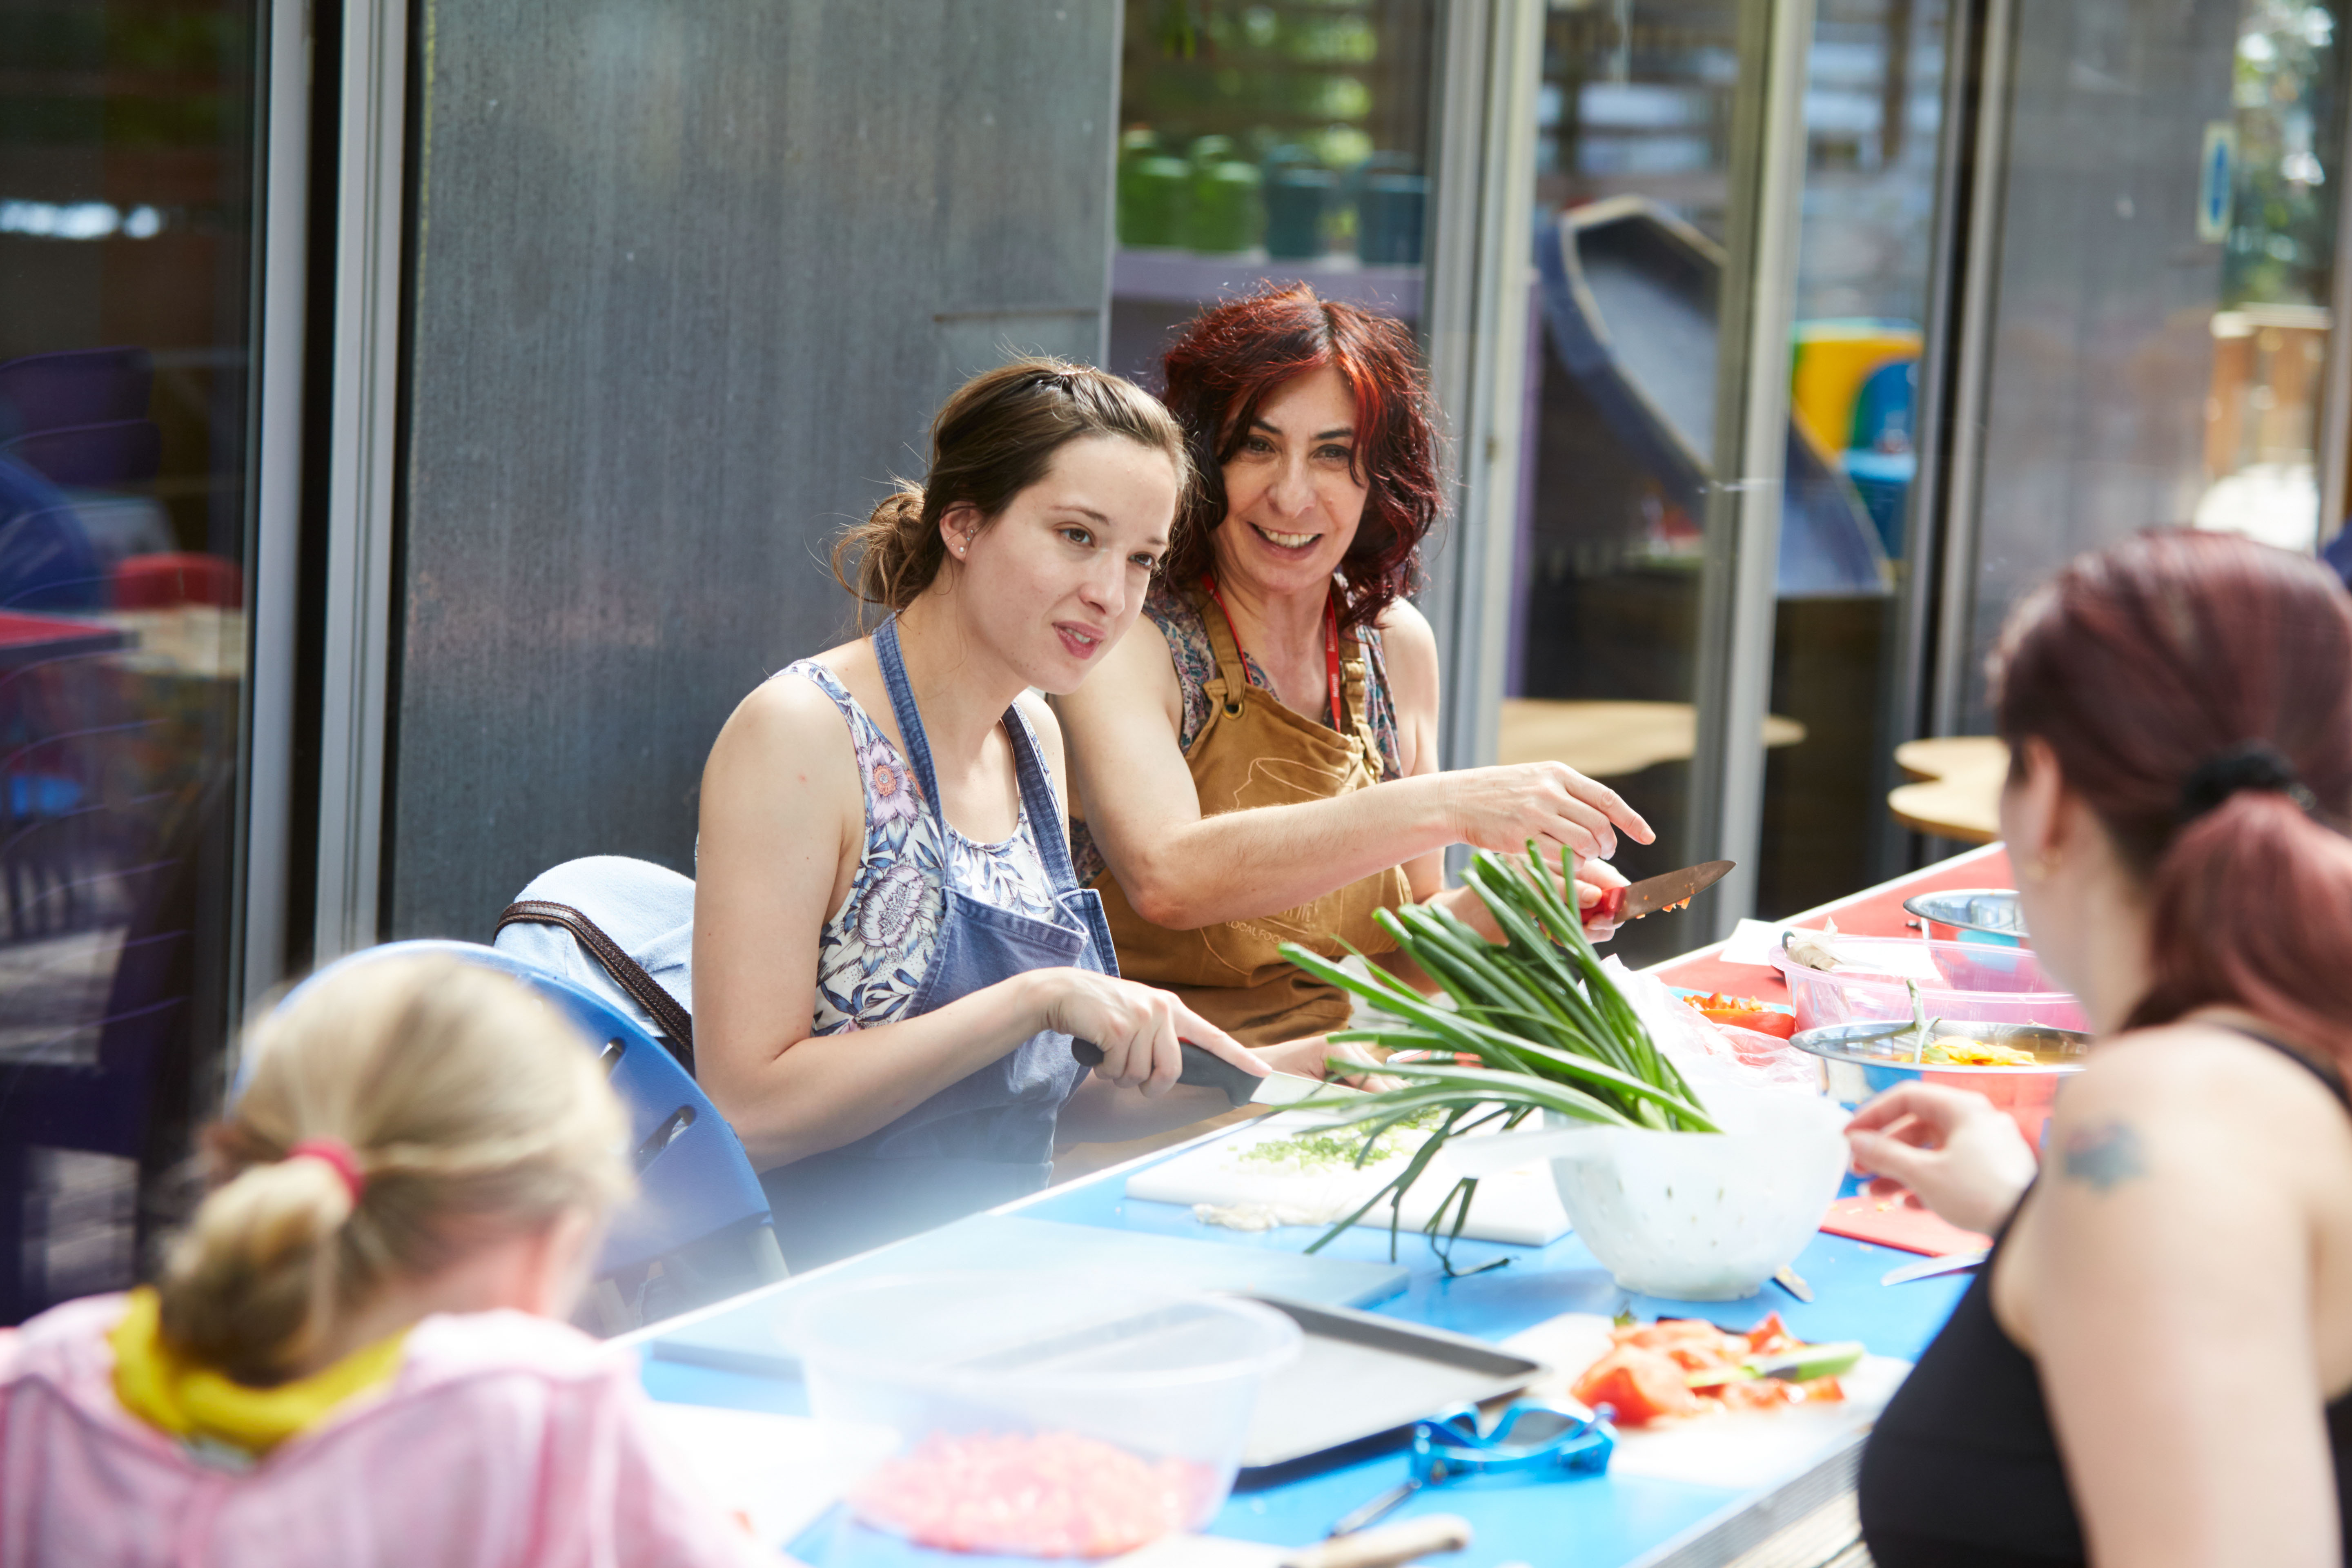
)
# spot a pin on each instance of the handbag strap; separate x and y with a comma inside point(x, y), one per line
point(677, 1027)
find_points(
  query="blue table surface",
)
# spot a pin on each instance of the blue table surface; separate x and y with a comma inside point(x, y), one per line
point(1600, 1522)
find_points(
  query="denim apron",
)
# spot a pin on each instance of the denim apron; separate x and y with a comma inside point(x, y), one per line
point(987, 1137)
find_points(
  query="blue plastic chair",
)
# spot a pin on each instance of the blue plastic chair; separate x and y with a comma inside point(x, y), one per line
point(699, 1214)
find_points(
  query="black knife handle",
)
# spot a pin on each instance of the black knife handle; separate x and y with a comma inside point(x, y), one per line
point(1204, 1068)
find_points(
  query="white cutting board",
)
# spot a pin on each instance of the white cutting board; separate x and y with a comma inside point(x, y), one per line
point(1520, 1205)
point(1739, 1448)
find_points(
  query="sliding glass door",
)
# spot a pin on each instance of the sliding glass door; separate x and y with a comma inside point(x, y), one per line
point(128, 149)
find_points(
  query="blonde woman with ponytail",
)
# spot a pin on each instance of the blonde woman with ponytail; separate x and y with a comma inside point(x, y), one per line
point(356, 1355)
point(891, 953)
point(2154, 1370)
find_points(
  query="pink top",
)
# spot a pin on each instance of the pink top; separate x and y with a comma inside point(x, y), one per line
point(505, 1439)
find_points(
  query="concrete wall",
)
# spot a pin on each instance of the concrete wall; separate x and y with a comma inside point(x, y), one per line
point(691, 278)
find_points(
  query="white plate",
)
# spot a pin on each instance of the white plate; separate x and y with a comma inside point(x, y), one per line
point(1742, 1449)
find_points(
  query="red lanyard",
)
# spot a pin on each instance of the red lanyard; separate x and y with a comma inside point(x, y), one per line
point(1330, 642)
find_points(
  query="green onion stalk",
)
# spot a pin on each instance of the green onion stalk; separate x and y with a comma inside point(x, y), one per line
point(1537, 1026)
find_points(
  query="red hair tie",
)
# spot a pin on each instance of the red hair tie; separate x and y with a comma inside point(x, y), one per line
point(336, 1154)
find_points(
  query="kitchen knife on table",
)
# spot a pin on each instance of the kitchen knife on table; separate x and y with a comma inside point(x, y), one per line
point(1209, 1070)
point(1651, 894)
point(1928, 1267)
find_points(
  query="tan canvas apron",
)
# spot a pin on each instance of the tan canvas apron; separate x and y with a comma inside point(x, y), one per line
point(1254, 752)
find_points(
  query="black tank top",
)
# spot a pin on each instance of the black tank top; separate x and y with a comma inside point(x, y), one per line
point(1962, 1469)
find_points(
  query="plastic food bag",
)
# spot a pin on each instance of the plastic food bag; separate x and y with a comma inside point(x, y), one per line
point(1703, 1049)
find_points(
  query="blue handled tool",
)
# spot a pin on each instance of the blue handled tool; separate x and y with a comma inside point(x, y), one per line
point(1527, 1442)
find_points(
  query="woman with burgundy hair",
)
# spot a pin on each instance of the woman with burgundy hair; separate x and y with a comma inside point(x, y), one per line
point(1258, 763)
point(2155, 1368)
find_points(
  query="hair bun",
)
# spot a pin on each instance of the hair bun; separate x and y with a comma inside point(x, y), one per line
point(2255, 765)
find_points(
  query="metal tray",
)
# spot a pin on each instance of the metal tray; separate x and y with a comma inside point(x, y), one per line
point(1359, 1375)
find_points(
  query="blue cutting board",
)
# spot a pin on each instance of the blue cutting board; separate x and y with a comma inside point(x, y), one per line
point(751, 1338)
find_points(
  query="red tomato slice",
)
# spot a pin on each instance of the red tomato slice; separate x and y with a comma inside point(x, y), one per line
point(1756, 1393)
point(1770, 1337)
point(1670, 1331)
point(1744, 1013)
point(1640, 1385)
point(1763, 1020)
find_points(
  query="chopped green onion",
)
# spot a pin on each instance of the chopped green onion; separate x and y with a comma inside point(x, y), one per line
point(1542, 1026)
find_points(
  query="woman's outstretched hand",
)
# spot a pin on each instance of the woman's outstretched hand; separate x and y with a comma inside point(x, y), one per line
point(1964, 1159)
point(1140, 1028)
point(1501, 809)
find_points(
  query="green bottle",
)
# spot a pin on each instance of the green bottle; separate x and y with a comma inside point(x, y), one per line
point(1228, 207)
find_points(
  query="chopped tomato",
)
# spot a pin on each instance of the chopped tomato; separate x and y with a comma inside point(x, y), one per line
point(1770, 1337)
point(1669, 1331)
point(1648, 1374)
point(1755, 1394)
point(1640, 1385)
point(1744, 1013)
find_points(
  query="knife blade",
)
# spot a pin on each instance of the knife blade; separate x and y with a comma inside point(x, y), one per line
point(1651, 894)
point(1928, 1267)
point(1207, 1070)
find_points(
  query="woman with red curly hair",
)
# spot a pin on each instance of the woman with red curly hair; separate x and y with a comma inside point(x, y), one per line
point(1258, 763)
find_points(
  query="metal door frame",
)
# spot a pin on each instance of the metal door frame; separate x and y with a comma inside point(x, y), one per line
point(1738, 580)
point(1479, 275)
point(273, 559)
point(364, 431)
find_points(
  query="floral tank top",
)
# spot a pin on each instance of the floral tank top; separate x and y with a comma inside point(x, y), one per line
point(873, 954)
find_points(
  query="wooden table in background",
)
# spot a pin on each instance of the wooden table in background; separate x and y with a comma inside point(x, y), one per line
point(1610, 740)
point(1958, 790)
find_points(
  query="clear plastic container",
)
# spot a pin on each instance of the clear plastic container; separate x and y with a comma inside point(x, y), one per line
point(1041, 1415)
point(1974, 981)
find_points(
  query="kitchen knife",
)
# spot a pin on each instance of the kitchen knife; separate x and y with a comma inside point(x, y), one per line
point(1209, 1070)
point(1651, 894)
point(1928, 1267)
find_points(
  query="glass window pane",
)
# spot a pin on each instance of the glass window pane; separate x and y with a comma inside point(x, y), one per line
point(1631, 194)
point(126, 146)
point(2162, 288)
point(2269, 336)
point(1276, 141)
point(1872, 112)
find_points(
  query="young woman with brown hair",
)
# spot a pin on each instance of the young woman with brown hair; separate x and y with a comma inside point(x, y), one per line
point(891, 954)
point(2156, 1366)
point(1227, 754)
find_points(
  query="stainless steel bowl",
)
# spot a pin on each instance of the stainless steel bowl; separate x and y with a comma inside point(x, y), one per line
point(1855, 1070)
point(1990, 911)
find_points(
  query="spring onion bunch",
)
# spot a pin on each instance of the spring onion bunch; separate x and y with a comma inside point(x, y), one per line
point(1536, 1025)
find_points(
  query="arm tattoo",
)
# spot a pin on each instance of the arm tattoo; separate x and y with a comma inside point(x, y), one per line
point(2105, 1156)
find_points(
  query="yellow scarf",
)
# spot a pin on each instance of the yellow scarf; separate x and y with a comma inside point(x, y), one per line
point(200, 1406)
